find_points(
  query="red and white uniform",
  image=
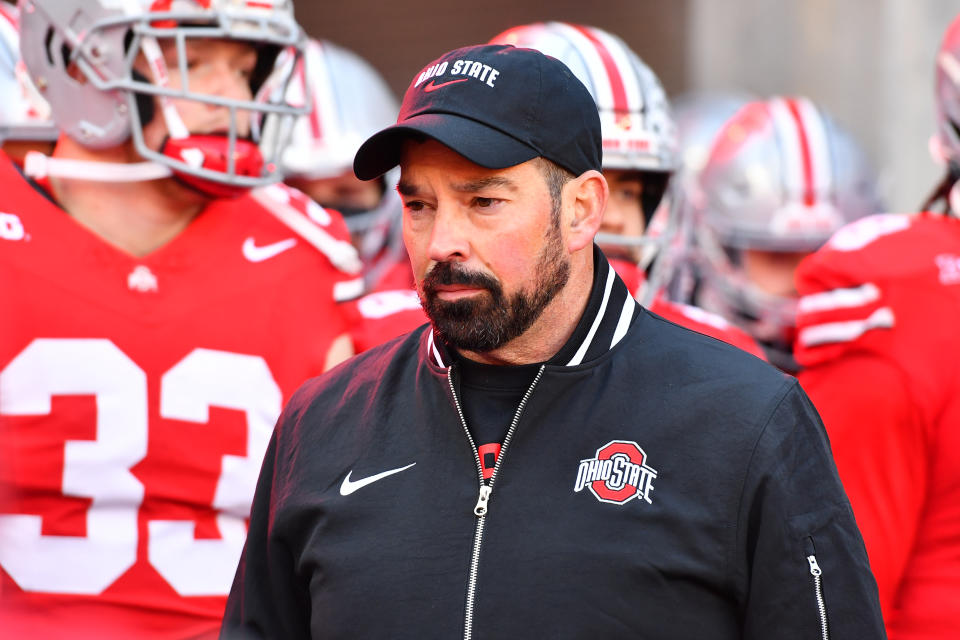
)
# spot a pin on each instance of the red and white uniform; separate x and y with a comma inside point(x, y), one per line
point(137, 397)
point(879, 341)
point(390, 310)
point(685, 315)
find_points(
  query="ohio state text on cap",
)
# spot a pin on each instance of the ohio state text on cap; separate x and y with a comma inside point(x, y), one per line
point(496, 105)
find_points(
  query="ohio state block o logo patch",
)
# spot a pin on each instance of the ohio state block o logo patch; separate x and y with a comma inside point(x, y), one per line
point(618, 474)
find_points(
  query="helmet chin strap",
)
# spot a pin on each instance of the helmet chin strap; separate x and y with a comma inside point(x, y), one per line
point(39, 166)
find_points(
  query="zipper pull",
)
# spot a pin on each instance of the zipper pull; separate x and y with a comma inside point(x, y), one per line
point(481, 509)
point(814, 567)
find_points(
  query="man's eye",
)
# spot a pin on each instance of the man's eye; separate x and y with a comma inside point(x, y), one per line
point(484, 203)
point(413, 205)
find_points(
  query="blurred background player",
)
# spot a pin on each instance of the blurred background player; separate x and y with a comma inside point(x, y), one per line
point(780, 178)
point(25, 123)
point(878, 342)
point(639, 158)
point(162, 300)
point(351, 102)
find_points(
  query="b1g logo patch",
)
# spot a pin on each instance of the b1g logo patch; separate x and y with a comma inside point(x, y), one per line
point(618, 474)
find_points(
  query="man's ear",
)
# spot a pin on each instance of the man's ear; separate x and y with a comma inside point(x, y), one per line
point(587, 194)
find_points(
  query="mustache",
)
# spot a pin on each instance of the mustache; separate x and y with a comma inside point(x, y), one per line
point(447, 273)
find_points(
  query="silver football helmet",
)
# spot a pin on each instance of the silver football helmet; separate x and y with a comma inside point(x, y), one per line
point(699, 117)
point(81, 54)
point(24, 115)
point(636, 126)
point(781, 177)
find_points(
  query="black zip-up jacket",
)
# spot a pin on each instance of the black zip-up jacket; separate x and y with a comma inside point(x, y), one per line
point(657, 484)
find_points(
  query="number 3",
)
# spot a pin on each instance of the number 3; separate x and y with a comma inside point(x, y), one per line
point(100, 469)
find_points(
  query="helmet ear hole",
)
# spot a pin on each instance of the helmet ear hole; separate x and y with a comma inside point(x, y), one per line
point(654, 187)
point(145, 106)
point(266, 60)
point(48, 46)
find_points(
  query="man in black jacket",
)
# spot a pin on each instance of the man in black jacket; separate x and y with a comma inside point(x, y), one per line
point(546, 458)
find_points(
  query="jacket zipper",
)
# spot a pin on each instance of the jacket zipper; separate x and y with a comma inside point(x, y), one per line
point(816, 572)
point(481, 508)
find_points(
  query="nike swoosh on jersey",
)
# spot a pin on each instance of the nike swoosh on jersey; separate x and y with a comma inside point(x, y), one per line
point(348, 486)
point(433, 87)
point(253, 253)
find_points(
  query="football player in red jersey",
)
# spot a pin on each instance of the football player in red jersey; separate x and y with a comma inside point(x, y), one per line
point(879, 349)
point(780, 178)
point(639, 159)
point(162, 299)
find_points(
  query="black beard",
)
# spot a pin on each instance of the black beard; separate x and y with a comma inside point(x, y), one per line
point(489, 320)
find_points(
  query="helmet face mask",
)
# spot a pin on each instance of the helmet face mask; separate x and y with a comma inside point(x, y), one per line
point(84, 57)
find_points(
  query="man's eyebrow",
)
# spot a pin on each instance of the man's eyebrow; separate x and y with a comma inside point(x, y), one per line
point(485, 183)
point(472, 186)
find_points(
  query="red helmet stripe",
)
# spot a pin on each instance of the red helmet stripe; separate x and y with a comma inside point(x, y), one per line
point(616, 81)
point(316, 130)
point(809, 192)
point(8, 12)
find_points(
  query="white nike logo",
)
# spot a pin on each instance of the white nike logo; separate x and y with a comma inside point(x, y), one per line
point(253, 253)
point(349, 486)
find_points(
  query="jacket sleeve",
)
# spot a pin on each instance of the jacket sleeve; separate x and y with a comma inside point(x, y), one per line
point(268, 599)
point(799, 553)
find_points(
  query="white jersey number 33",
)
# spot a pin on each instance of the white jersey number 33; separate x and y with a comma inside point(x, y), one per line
point(100, 469)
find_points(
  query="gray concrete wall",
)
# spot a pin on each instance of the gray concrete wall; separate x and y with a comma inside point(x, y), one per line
point(868, 62)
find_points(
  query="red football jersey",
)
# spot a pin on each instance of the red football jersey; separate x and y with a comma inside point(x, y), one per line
point(879, 339)
point(137, 398)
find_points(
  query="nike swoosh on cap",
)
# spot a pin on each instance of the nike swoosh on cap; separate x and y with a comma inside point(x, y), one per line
point(433, 87)
point(348, 486)
point(253, 253)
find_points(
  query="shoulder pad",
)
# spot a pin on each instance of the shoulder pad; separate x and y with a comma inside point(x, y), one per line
point(323, 229)
point(865, 231)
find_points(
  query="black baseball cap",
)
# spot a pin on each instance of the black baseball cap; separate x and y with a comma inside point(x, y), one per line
point(496, 105)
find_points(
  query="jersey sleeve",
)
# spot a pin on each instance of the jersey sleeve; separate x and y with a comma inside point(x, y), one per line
point(807, 569)
point(324, 229)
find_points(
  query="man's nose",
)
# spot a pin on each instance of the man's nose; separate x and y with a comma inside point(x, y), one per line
point(449, 237)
